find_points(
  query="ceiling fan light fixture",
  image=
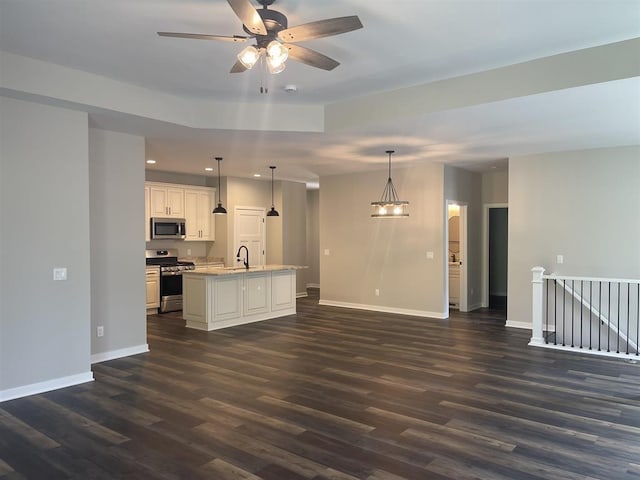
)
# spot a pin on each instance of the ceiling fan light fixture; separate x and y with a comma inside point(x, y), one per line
point(249, 56)
point(275, 66)
point(277, 51)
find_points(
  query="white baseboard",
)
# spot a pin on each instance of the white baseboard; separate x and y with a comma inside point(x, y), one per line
point(382, 308)
point(123, 352)
point(302, 294)
point(46, 386)
point(514, 324)
point(313, 285)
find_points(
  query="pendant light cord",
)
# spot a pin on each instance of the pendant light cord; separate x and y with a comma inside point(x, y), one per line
point(272, 202)
point(219, 159)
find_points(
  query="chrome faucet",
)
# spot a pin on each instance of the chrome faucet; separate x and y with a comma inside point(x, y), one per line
point(246, 260)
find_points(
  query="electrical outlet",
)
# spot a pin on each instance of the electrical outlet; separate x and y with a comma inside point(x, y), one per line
point(327, 251)
point(377, 292)
point(188, 252)
point(429, 255)
point(59, 273)
point(100, 331)
point(559, 259)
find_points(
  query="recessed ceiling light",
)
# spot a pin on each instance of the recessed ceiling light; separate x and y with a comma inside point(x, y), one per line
point(151, 162)
point(257, 175)
point(209, 169)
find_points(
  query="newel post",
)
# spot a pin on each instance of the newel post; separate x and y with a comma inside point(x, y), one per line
point(537, 284)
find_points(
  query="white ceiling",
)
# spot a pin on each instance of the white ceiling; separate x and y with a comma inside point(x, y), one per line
point(403, 43)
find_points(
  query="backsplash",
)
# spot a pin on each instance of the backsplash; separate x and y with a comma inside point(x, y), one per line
point(185, 249)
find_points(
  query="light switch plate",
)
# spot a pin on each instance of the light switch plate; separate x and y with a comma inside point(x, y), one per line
point(59, 273)
point(326, 251)
point(429, 255)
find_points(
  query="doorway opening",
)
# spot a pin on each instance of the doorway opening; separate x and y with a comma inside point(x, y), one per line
point(457, 256)
point(496, 254)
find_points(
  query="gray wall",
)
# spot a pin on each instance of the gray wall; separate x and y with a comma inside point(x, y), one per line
point(116, 180)
point(386, 254)
point(495, 187)
point(294, 230)
point(44, 218)
point(466, 187)
point(580, 204)
point(313, 238)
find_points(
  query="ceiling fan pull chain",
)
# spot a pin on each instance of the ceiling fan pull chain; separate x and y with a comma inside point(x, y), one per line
point(263, 89)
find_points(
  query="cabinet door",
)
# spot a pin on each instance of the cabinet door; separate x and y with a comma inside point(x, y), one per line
point(194, 232)
point(158, 201)
point(256, 294)
point(227, 295)
point(175, 202)
point(283, 290)
point(205, 215)
point(153, 289)
point(198, 206)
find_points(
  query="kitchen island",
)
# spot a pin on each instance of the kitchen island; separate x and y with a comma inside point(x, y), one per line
point(216, 298)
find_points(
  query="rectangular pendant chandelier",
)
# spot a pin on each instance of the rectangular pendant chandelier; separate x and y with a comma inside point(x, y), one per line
point(389, 206)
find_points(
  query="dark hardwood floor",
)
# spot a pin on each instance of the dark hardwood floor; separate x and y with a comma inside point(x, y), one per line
point(335, 394)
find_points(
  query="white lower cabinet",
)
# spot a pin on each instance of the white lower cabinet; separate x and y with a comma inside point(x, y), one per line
point(153, 288)
point(214, 301)
point(283, 291)
point(256, 293)
point(227, 298)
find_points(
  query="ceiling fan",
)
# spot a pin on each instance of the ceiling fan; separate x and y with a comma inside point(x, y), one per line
point(274, 39)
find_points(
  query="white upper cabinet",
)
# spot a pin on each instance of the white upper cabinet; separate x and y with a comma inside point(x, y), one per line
point(198, 204)
point(166, 201)
point(194, 204)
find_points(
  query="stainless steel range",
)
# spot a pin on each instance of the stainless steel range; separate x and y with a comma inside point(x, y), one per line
point(170, 277)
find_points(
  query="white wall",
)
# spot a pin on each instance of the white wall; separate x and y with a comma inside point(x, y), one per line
point(386, 254)
point(294, 230)
point(580, 204)
point(116, 177)
point(44, 218)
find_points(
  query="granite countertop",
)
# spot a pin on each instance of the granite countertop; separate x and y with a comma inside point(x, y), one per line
point(238, 270)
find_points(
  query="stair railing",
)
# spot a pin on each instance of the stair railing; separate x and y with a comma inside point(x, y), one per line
point(589, 314)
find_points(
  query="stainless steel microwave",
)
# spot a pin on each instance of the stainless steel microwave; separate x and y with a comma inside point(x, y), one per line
point(174, 228)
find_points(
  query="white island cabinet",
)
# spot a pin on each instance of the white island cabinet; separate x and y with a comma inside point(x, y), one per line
point(223, 297)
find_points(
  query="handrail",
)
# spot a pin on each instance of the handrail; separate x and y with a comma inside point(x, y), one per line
point(621, 319)
point(556, 276)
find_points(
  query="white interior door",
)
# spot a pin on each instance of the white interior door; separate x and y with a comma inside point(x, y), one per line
point(250, 232)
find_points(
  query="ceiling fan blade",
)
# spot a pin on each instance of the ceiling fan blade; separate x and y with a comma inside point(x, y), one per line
point(200, 36)
point(311, 57)
point(321, 28)
point(238, 67)
point(249, 16)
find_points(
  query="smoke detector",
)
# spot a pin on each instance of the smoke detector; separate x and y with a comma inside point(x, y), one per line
point(290, 88)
